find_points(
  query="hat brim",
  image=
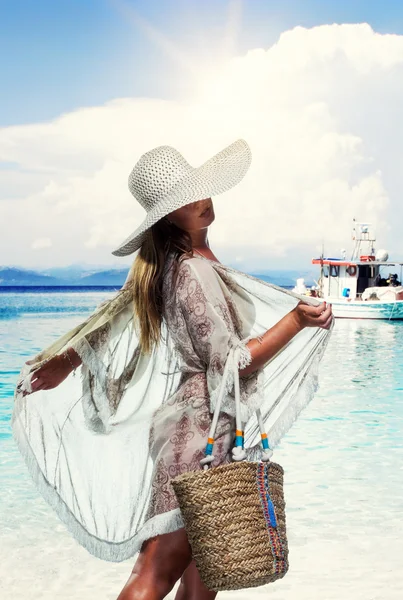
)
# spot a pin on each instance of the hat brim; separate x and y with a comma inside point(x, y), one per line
point(216, 176)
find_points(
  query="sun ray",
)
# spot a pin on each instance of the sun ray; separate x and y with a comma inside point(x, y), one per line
point(178, 55)
point(232, 29)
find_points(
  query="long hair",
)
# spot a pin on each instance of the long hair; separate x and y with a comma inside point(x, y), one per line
point(146, 277)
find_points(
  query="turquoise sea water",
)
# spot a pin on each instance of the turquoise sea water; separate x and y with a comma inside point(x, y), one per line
point(343, 461)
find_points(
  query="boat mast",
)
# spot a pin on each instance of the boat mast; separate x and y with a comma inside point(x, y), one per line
point(361, 234)
point(321, 270)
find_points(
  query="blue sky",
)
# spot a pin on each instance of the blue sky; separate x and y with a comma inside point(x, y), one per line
point(87, 86)
point(56, 56)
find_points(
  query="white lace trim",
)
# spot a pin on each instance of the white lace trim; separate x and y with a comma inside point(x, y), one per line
point(306, 390)
point(103, 549)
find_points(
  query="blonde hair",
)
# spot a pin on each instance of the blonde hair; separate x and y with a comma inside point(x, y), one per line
point(146, 278)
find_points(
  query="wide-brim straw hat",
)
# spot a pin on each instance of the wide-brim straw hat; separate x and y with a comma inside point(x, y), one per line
point(163, 181)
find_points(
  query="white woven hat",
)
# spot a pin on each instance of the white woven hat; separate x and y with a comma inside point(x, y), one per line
point(163, 181)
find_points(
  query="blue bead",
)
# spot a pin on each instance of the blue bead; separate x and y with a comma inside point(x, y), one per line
point(273, 520)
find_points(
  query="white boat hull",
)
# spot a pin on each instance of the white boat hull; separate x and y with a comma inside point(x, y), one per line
point(386, 311)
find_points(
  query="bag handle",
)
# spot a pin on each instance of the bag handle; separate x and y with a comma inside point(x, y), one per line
point(238, 452)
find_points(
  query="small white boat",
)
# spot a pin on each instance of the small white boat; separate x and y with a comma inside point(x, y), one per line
point(364, 287)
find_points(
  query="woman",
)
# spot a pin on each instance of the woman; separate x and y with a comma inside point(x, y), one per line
point(190, 312)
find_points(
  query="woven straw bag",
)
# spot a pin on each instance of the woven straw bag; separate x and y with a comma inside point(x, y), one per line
point(234, 514)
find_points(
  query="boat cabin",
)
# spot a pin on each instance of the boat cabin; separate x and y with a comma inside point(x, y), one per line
point(350, 279)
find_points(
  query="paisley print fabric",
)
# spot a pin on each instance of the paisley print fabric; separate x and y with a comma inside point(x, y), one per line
point(203, 322)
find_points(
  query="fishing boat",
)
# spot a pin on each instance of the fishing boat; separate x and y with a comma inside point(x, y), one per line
point(364, 287)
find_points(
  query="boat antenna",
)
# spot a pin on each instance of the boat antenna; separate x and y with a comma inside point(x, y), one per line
point(354, 238)
point(322, 256)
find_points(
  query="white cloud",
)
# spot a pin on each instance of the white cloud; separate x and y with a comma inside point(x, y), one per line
point(41, 243)
point(320, 109)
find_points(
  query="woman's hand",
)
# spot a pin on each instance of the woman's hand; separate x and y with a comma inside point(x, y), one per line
point(50, 375)
point(307, 315)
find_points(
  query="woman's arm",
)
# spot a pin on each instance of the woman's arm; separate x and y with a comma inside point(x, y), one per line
point(266, 346)
point(52, 373)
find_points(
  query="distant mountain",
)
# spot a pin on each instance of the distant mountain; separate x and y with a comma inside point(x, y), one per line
point(70, 273)
point(287, 278)
point(84, 276)
point(13, 276)
point(77, 271)
point(111, 277)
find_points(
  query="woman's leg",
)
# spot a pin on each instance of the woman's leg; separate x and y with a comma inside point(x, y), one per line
point(192, 587)
point(161, 562)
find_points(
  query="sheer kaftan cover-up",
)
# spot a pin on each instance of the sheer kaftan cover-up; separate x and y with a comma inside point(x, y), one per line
point(102, 447)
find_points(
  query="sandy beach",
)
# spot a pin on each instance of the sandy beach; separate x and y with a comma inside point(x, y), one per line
point(326, 567)
point(357, 559)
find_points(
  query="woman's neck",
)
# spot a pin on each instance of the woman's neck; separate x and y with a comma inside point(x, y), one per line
point(199, 239)
point(200, 244)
